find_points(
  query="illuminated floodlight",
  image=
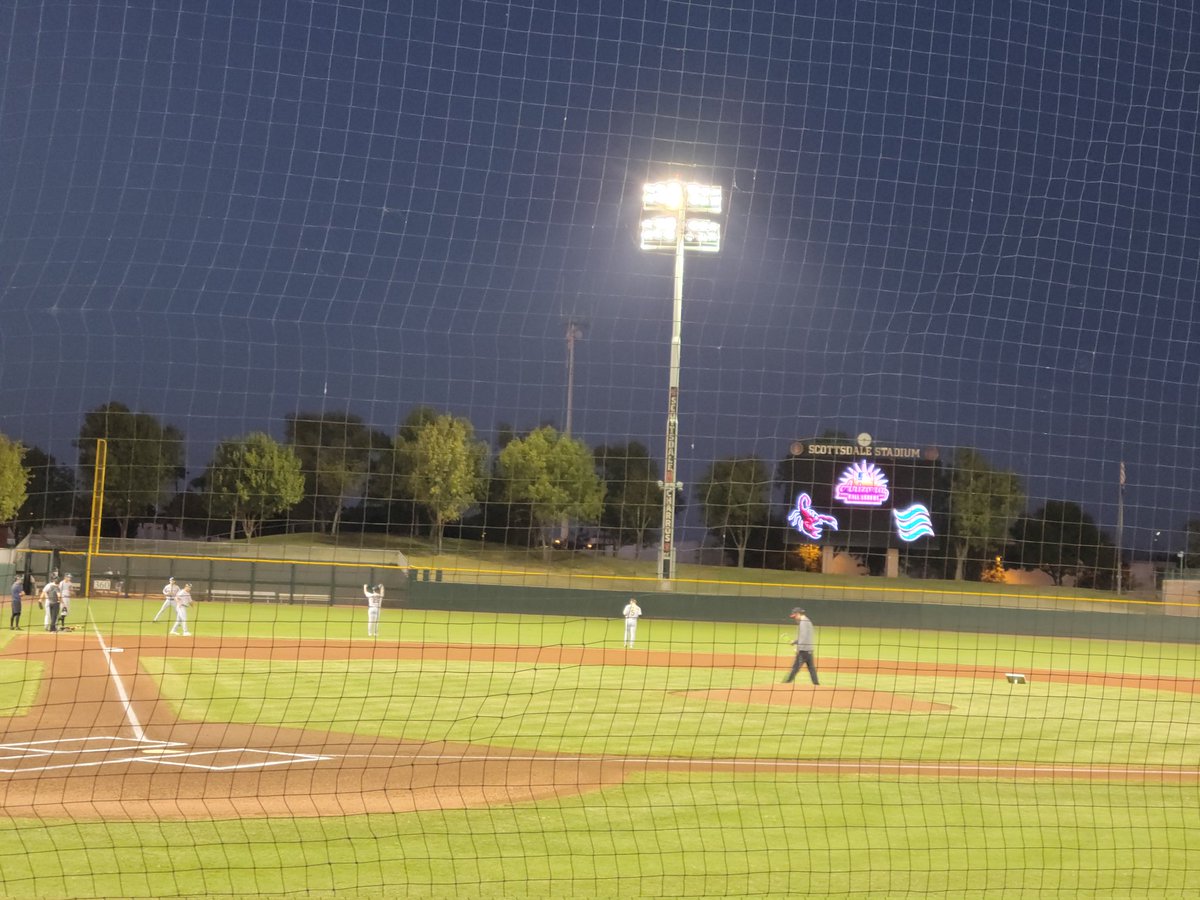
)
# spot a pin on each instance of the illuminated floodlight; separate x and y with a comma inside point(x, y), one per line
point(704, 198)
point(678, 221)
point(660, 233)
point(662, 195)
point(672, 196)
point(702, 234)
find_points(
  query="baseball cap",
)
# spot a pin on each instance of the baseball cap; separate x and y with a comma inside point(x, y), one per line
point(797, 611)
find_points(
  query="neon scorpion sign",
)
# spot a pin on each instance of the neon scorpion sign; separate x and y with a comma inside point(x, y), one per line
point(808, 521)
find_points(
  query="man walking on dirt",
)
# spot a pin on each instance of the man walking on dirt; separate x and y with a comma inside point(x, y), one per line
point(805, 643)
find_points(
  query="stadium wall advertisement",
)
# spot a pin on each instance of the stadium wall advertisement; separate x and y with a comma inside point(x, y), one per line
point(865, 497)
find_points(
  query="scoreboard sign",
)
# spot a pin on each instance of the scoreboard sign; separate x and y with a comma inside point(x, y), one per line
point(859, 495)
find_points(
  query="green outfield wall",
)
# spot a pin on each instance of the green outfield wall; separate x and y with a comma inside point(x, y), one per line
point(1133, 621)
point(223, 578)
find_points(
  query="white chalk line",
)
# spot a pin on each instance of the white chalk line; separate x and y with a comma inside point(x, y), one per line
point(139, 733)
point(48, 751)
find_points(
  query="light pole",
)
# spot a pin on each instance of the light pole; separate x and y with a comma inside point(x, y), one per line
point(679, 219)
point(574, 333)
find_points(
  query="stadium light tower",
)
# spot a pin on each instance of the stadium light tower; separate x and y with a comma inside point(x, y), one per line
point(678, 216)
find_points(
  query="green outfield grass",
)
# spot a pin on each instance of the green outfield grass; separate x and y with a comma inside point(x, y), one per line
point(703, 832)
point(19, 681)
point(659, 836)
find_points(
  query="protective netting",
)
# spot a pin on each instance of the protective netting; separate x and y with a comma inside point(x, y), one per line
point(345, 316)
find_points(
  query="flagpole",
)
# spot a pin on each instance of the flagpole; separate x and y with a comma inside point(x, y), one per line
point(1120, 522)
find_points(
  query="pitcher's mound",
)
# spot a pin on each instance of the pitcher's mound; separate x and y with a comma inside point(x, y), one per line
point(803, 694)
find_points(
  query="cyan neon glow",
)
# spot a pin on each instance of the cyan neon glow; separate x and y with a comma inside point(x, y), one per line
point(913, 523)
point(809, 522)
point(862, 484)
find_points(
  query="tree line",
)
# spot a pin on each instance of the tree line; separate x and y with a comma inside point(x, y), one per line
point(433, 476)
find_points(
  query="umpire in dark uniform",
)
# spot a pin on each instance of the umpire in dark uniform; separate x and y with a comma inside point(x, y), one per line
point(53, 602)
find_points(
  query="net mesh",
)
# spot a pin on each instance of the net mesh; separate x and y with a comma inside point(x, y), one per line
point(357, 303)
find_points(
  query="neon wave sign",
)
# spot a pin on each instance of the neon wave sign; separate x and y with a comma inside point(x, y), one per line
point(862, 484)
point(912, 523)
point(808, 521)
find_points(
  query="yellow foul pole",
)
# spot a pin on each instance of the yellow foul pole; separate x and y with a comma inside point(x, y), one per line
point(93, 545)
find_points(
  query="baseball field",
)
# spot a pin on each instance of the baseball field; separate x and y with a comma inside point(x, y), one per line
point(279, 751)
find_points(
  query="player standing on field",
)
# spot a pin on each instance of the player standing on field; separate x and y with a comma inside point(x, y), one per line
point(51, 599)
point(182, 600)
point(631, 613)
point(170, 589)
point(18, 594)
point(374, 597)
point(66, 589)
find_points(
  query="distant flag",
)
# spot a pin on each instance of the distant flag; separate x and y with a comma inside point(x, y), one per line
point(1122, 476)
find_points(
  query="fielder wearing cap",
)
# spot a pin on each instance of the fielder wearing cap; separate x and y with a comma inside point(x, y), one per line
point(170, 589)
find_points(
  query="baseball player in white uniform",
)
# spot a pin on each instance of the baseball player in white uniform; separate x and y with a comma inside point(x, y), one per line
point(182, 600)
point(66, 590)
point(374, 597)
point(170, 589)
point(631, 613)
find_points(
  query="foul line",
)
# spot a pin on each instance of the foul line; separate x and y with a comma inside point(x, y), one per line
point(139, 733)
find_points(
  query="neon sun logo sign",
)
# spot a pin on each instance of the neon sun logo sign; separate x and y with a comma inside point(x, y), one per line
point(862, 484)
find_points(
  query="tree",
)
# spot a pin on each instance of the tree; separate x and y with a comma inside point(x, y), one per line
point(13, 478)
point(500, 518)
point(251, 479)
point(633, 499)
point(50, 493)
point(388, 491)
point(1062, 540)
point(734, 494)
point(554, 474)
point(334, 450)
point(444, 468)
point(984, 503)
point(144, 460)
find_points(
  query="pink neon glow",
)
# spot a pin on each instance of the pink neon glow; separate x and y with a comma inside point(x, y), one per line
point(808, 521)
point(862, 484)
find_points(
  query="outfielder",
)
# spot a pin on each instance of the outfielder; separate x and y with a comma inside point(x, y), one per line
point(374, 597)
point(170, 589)
point(631, 613)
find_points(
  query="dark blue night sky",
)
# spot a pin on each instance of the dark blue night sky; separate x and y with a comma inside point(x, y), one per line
point(949, 224)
